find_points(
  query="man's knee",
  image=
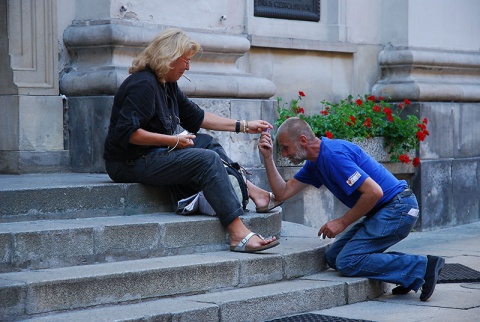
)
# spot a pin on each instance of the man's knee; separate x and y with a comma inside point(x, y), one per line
point(331, 259)
point(347, 265)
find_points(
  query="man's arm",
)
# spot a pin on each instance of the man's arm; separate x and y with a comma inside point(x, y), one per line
point(281, 189)
point(371, 193)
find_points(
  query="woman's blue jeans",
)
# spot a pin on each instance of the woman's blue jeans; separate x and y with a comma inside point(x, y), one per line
point(361, 250)
point(193, 169)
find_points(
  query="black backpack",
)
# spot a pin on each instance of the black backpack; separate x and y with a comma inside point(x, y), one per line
point(237, 175)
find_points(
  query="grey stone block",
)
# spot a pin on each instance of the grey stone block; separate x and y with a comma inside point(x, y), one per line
point(13, 297)
point(466, 191)
point(267, 224)
point(6, 247)
point(466, 130)
point(304, 263)
point(357, 289)
point(185, 236)
point(88, 120)
point(164, 310)
point(128, 241)
point(147, 198)
point(85, 286)
point(255, 270)
point(436, 194)
point(59, 243)
point(53, 248)
point(67, 195)
point(260, 303)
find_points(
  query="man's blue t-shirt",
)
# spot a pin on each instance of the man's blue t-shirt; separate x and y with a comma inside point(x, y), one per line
point(342, 167)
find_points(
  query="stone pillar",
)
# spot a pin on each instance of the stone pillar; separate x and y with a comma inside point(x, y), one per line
point(31, 122)
point(446, 85)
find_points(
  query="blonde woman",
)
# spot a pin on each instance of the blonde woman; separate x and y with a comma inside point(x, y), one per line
point(144, 145)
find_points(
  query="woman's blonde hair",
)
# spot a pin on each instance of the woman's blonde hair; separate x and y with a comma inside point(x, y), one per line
point(164, 49)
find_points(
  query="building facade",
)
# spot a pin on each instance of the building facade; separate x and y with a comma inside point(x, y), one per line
point(62, 61)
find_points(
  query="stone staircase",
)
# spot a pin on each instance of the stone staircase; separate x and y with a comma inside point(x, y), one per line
point(78, 247)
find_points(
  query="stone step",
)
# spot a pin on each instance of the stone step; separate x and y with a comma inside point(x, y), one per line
point(30, 197)
point(68, 242)
point(252, 303)
point(27, 293)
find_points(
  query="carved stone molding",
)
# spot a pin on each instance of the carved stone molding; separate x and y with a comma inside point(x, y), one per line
point(102, 52)
point(32, 47)
point(429, 75)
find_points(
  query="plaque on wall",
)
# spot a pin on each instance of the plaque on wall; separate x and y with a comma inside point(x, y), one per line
point(308, 10)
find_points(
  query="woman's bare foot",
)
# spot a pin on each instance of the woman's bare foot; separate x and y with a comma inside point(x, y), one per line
point(259, 196)
point(238, 232)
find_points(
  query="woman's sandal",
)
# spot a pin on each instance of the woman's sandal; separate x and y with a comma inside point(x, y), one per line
point(272, 203)
point(243, 248)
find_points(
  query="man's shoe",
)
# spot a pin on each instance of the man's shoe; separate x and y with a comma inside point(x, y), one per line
point(434, 267)
point(400, 290)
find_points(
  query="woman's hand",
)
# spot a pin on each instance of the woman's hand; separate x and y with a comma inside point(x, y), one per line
point(257, 126)
point(185, 141)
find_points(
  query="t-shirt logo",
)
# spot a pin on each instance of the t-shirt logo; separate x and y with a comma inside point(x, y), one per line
point(353, 178)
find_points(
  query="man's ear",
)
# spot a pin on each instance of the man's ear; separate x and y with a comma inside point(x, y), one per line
point(303, 140)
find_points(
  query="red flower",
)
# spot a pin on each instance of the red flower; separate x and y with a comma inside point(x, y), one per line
point(421, 136)
point(299, 110)
point(300, 93)
point(425, 120)
point(404, 158)
point(359, 102)
point(388, 111)
point(329, 135)
point(367, 122)
point(371, 98)
point(381, 98)
point(416, 162)
point(324, 112)
point(353, 119)
point(406, 101)
point(422, 126)
point(400, 106)
point(376, 108)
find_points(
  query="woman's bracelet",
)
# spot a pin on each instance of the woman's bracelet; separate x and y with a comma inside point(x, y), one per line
point(178, 140)
point(245, 126)
point(237, 126)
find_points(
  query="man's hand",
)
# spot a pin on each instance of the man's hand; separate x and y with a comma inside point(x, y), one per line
point(332, 228)
point(265, 144)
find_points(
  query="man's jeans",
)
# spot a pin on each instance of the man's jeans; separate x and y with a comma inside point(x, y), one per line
point(194, 169)
point(360, 251)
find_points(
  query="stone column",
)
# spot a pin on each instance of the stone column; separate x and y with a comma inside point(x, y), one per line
point(446, 85)
point(31, 122)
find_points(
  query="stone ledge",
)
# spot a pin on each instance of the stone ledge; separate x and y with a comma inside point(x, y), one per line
point(302, 44)
point(104, 51)
point(429, 75)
